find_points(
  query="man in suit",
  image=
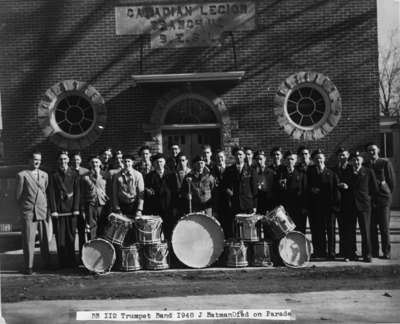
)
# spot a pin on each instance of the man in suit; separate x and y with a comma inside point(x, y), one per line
point(250, 157)
point(385, 178)
point(160, 186)
point(76, 161)
point(323, 204)
point(32, 199)
point(266, 194)
point(363, 187)
point(241, 185)
point(172, 161)
point(207, 156)
point(144, 166)
point(64, 194)
point(278, 169)
point(344, 171)
point(293, 191)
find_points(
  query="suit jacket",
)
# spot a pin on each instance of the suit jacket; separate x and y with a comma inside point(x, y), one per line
point(345, 175)
point(363, 186)
point(31, 194)
point(385, 179)
point(64, 191)
point(328, 196)
point(293, 194)
point(244, 186)
point(164, 190)
point(266, 185)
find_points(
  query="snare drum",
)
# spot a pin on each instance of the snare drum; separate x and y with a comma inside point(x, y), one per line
point(261, 254)
point(98, 256)
point(117, 228)
point(236, 254)
point(198, 240)
point(148, 229)
point(278, 223)
point(128, 258)
point(155, 256)
point(248, 227)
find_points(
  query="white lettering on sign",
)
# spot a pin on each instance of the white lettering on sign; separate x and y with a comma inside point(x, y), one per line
point(185, 25)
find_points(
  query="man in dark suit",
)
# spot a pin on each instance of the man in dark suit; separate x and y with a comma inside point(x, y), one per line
point(160, 188)
point(241, 185)
point(266, 195)
point(173, 160)
point(207, 154)
point(64, 194)
point(32, 199)
point(385, 178)
point(278, 169)
point(293, 191)
point(323, 204)
point(344, 171)
point(362, 187)
point(250, 157)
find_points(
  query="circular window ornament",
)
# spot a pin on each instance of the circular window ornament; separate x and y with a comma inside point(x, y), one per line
point(72, 114)
point(308, 106)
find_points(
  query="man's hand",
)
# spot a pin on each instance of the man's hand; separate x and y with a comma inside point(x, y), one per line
point(55, 214)
point(343, 185)
point(75, 212)
point(229, 192)
point(149, 191)
point(138, 213)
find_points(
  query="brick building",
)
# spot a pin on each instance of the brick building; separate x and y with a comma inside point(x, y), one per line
point(275, 73)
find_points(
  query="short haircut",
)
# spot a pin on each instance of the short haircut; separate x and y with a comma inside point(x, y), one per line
point(248, 148)
point(76, 153)
point(275, 149)
point(206, 146)
point(236, 149)
point(301, 149)
point(142, 148)
point(59, 153)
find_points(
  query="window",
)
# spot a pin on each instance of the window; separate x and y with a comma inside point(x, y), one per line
point(308, 106)
point(72, 114)
point(190, 110)
point(387, 145)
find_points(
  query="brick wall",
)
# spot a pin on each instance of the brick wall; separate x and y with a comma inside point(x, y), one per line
point(44, 42)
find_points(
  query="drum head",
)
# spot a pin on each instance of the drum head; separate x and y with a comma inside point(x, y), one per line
point(119, 217)
point(98, 256)
point(295, 249)
point(197, 240)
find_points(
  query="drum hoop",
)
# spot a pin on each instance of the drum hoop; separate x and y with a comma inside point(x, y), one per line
point(163, 255)
point(308, 251)
point(158, 224)
point(106, 270)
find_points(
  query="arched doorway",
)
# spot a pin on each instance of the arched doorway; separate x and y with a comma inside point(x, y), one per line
point(190, 121)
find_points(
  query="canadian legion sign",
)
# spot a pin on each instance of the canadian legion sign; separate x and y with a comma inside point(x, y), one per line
point(185, 25)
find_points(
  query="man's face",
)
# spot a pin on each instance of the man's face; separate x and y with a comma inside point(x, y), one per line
point(106, 156)
point(320, 159)
point(373, 151)
point(36, 160)
point(221, 158)
point(119, 161)
point(63, 161)
point(175, 150)
point(95, 163)
point(160, 164)
point(304, 156)
point(291, 160)
point(343, 156)
point(146, 155)
point(200, 166)
point(249, 155)
point(183, 162)
point(128, 163)
point(357, 162)
point(76, 161)
point(240, 156)
point(277, 156)
point(261, 160)
point(207, 153)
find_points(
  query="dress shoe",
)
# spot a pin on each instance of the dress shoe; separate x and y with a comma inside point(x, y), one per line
point(368, 259)
point(346, 259)
point(331, 258)
point(28, 271)
point(386, 256)
point(354, 258)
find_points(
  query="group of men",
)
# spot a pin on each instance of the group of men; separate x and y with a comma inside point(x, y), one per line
point(79, 199)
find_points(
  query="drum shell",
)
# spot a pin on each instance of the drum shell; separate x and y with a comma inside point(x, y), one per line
point(197, 240)
point(277, 224)
point(117, 228)
point(148, 229)
point(98, 255)
point(262, 254)
point(128, 257)
point(155, 256)
point(236, 254)
point(248, 227)
point(295, 250)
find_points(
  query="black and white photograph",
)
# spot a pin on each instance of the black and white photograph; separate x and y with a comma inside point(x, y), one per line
point(202, 161)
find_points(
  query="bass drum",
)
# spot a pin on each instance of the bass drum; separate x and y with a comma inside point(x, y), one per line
point(295, 250)
point(98, 256)
point(197, 240)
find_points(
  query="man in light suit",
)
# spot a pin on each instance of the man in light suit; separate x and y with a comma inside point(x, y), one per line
point(32, 199)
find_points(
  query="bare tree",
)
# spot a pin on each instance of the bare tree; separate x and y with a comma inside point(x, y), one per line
point(389, 76)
